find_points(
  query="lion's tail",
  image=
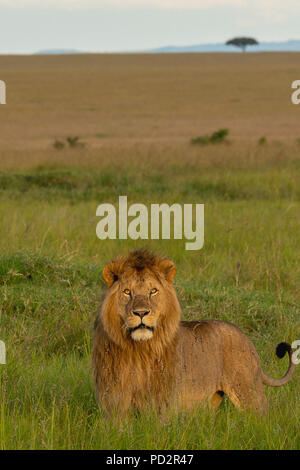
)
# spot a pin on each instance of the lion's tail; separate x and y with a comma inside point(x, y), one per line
point(281, 349)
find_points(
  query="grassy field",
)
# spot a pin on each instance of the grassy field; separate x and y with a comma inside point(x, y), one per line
point(135, 117)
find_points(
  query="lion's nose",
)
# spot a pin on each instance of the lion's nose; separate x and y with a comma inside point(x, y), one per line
point(140, 313)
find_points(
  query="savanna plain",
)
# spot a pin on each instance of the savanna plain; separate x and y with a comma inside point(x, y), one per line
point(81, 130)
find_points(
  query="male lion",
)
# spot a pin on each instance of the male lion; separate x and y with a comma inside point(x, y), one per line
point(143, 355)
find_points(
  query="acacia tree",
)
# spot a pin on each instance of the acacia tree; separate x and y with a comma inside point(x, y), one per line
point(242, 42)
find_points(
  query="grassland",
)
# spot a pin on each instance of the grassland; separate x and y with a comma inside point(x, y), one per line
point(136, 116)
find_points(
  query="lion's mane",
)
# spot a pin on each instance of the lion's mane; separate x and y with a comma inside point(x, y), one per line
point(129, 374)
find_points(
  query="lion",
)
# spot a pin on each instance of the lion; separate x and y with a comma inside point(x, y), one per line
point(144, 356)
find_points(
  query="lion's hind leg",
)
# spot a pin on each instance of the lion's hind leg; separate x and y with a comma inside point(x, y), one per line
point(248, 396)
point(216, 400)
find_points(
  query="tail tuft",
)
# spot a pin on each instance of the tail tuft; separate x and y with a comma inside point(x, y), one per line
point(281, 349)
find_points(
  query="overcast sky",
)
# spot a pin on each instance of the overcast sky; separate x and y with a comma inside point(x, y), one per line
point(119, 25)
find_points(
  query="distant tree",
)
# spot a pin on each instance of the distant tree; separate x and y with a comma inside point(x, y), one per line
point(242, 43)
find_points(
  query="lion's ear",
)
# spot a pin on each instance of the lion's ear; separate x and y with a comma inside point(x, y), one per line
point(168, 269)
point(110, 273)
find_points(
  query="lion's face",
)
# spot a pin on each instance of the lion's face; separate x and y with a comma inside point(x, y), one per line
point(140, 303)
point(140, 297)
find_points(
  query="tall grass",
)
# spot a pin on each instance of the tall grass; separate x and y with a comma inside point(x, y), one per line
point(50, 278)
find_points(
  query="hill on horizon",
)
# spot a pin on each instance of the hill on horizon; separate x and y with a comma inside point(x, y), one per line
point(59, 51)
point(292, 45)
point(288, 46)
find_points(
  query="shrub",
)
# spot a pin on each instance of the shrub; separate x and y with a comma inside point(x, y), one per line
point(58, 145)
point(71, 141)
point(74, 142)
point(215, 137)
point(262, 141)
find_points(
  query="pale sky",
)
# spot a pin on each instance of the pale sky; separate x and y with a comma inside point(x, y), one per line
point(28, 26)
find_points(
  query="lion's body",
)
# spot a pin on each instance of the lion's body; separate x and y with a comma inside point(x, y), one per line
point(143, 356)
point(214, 357)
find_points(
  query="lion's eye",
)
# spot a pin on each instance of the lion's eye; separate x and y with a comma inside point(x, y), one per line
point(126, 291)
point(153, 291)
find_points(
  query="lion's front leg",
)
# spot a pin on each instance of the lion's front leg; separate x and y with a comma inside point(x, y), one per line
point(115, 402)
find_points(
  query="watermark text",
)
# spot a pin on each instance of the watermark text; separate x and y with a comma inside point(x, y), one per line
point(2, 92)
point(2, 353)
point(160, 221)
point(296, 353)
point(296, 94)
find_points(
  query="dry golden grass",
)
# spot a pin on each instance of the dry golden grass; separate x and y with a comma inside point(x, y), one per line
point(116, 102)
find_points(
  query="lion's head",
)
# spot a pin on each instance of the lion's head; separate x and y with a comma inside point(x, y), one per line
point(141, 303)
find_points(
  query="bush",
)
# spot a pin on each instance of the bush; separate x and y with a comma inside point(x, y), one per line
point(215, 137)
point(71, 141)
point(262, 141)
point(58, 145)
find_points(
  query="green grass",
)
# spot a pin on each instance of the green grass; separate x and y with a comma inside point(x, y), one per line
point(89, 184)
point(50, 289)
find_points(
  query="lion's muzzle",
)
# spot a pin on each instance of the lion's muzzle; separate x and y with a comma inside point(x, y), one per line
point(141, 332)
point(141, 313)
